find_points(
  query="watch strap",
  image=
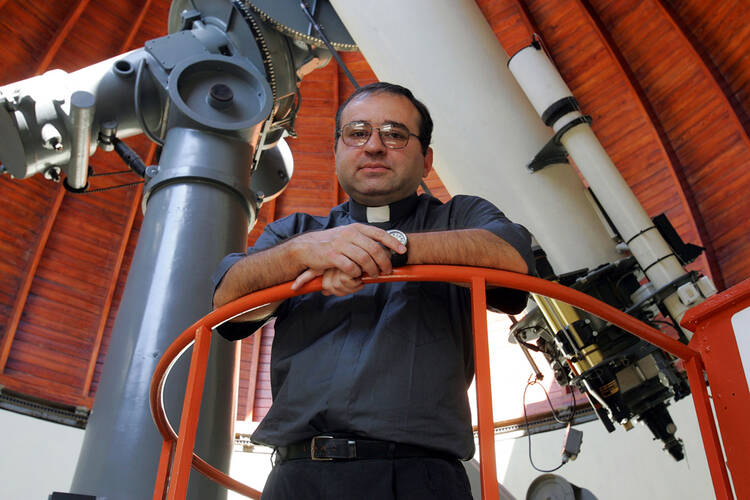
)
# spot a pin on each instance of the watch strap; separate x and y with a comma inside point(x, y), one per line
point(399, 259)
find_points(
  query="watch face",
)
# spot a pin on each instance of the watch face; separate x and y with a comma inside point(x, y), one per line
point(401, 237)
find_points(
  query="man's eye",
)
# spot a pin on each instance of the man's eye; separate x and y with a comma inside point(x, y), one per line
point(357, 134)
point(395, 134)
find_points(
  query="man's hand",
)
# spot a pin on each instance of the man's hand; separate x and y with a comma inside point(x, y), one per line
point(335, 282)
point(338, 283)
point(353, 250)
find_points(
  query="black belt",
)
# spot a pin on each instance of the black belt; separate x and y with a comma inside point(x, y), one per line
point(333, 448)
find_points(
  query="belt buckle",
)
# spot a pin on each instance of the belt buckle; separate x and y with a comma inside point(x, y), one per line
point(351, 449)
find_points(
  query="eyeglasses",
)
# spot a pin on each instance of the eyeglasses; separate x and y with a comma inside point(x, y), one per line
point(356, 134)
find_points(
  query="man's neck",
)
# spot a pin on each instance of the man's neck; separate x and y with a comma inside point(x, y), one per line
point(383, 213)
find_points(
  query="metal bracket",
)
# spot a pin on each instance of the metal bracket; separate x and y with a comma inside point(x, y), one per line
point(554, 152)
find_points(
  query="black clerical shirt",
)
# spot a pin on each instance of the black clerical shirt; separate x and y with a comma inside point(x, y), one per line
point(390, 362)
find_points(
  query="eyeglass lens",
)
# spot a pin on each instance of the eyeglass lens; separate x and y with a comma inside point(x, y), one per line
point(358, 133)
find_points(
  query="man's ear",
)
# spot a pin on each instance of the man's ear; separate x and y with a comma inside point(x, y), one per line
point(427, 162)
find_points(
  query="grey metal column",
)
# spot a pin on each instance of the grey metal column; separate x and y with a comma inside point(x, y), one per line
point(189, 226)
point(198, 206)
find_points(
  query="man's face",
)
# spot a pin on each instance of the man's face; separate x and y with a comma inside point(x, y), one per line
point(373, 174)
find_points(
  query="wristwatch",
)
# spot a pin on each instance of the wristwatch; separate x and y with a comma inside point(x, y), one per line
point(399, 259)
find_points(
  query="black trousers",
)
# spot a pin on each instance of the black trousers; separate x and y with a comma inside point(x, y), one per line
point(375, 479)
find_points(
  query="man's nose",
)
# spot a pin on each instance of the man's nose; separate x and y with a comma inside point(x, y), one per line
point(374, 143)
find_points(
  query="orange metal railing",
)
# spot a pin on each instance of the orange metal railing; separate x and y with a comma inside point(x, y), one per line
point(177, 451)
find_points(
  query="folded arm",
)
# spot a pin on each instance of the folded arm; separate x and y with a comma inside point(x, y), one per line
point(463, 247)
point(351, 250)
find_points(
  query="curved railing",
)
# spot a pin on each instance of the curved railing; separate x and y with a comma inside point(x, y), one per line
point(177, 451)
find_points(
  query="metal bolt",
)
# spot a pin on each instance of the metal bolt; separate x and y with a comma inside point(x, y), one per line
point(152, 171)
point(220, 96)
point(52, 174)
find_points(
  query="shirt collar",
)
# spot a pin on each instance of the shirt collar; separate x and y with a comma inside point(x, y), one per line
point(386, 213)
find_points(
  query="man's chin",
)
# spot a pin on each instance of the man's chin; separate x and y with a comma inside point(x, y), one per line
point(375, 198)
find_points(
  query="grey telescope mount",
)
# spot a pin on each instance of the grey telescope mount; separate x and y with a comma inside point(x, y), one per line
point(218, 94)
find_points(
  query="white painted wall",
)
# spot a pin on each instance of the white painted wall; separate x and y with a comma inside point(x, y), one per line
point(618, 466)
point(36, 457)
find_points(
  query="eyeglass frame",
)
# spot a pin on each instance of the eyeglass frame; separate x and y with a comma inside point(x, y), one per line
point(340, 134)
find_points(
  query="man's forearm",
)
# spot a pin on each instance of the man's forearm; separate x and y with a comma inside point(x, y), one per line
point(468, 247)
point(353, 249)
point(257, 271)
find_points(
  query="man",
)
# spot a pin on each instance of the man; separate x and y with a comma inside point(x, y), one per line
point(369, 382)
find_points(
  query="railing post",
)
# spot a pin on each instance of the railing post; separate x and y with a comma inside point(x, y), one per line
point(721, 327)
point(711, 441)
point(162, 474)
point(485, 421)
point(191, 407)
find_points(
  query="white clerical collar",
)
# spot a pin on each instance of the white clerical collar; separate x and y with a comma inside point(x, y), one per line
point(378, 214)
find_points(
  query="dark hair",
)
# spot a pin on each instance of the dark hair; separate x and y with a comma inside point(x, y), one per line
point(425, 123)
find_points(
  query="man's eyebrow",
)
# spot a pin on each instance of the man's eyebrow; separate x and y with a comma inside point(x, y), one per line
point(386, 122)
point(392, 122)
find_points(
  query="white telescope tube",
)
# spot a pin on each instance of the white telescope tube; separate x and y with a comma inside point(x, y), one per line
point(486, 132)
point(546, 89)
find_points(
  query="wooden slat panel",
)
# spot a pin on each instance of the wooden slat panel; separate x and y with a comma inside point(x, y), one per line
point(722, 31)
point(61, 35)
point(510, 21)
point(704, 133)
point(25, 33)
point(46, 366)
point(25, 282)
point(31, 385)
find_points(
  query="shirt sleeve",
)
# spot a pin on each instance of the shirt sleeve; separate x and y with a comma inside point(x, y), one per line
point(476, 213)
point(240, 330)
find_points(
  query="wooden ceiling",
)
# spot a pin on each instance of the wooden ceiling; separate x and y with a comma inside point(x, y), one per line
point(666, 82)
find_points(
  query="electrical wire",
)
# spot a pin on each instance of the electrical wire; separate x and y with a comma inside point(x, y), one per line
point(534, 380)
point(668, 323)
point(111, 173)
point(99, 190)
